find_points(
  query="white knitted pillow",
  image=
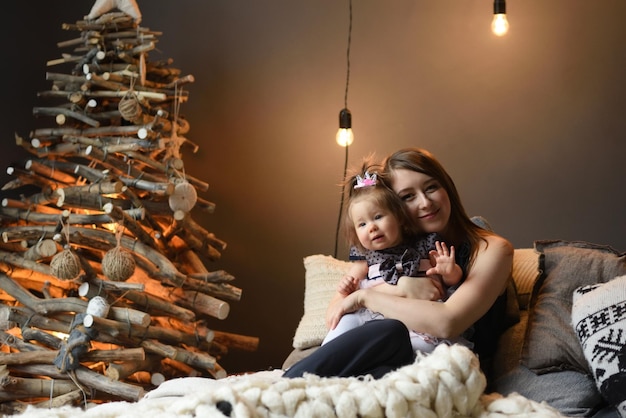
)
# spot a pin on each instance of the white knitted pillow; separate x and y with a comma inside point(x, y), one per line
point(322, 273)
point(599, 319)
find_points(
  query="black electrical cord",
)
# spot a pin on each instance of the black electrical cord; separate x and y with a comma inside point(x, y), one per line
point(345, 105)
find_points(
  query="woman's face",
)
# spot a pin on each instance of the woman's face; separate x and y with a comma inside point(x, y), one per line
point(425, 198)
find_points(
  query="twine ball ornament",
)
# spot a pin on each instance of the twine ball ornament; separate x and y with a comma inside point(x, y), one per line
point(184, 197)
point(118, 264)
point(129, 107)
point(65, 265)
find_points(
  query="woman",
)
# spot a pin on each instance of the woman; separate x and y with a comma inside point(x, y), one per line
point(382, 235)
point(475, 310)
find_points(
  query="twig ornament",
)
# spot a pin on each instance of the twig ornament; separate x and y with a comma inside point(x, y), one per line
point(66, 264)
point(118, 264)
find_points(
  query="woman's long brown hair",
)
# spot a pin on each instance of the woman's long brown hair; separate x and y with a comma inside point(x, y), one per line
point(460, 226)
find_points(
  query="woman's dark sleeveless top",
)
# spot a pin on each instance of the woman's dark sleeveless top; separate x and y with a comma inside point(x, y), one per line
point(485, 332)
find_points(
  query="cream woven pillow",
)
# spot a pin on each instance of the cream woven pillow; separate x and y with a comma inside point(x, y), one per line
point(322, 273)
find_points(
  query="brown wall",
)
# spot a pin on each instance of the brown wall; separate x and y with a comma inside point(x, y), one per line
point(531, 126)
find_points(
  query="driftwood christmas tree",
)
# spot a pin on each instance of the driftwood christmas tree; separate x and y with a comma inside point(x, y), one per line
point(104, 288)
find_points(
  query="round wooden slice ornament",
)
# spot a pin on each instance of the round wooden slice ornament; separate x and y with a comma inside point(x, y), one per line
point(184, 197)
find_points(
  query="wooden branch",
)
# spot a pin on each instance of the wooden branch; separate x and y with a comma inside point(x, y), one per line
point(189, 241)
point(196, 301)
point(55, 111)
point(218, 290)
point(23, 178)
point(41, 306)
point(121, 370)
point(24, 316)
point(197, 329)
point(36, 281)
point(119, 216)
point(133, 331)
point(75, 219)
point(42, 337)
point(240, 342)
point(42, 249)
point(180, 368)
point(69, 398)
point(14, 387)
point(47, 356)
point(202, 361)
point(93, 175)
point(94, 286)
point(160, 306)
point(120, 167)
point(106, 142)
point(207, 238)
point(89, 378)
point(46, 171)
point(18, 343)
point(218, 276)
point(130, 316)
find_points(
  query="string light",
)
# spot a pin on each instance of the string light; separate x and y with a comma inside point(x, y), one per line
point(345, 137)
point(499, 24)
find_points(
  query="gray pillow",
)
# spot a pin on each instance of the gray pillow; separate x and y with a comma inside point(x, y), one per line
point(551, 343)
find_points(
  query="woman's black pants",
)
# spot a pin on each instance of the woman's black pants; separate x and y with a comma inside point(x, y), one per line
point(375, 348)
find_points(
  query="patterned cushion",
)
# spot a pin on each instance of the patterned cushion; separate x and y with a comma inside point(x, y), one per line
point(599, 319)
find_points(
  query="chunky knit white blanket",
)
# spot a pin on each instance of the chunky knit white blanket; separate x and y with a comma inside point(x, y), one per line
point(446, 383)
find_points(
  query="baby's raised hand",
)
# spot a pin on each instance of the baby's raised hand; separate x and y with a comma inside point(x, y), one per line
point(443, 262)
point(347, 285)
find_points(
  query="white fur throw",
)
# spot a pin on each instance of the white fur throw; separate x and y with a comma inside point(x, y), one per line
point(446, 383)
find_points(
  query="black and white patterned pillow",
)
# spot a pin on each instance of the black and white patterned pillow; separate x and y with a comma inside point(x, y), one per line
point(599, 319)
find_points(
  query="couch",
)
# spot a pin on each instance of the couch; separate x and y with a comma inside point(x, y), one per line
point(546, 364)
point(540, 356)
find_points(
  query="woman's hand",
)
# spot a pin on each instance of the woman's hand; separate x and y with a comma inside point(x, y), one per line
point(341, 306)
point(424, 288)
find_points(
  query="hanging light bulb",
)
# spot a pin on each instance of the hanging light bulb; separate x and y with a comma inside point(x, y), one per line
point(345, 137)
point(499, 24)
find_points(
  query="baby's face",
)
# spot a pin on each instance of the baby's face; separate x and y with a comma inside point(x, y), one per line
point(377, 228)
